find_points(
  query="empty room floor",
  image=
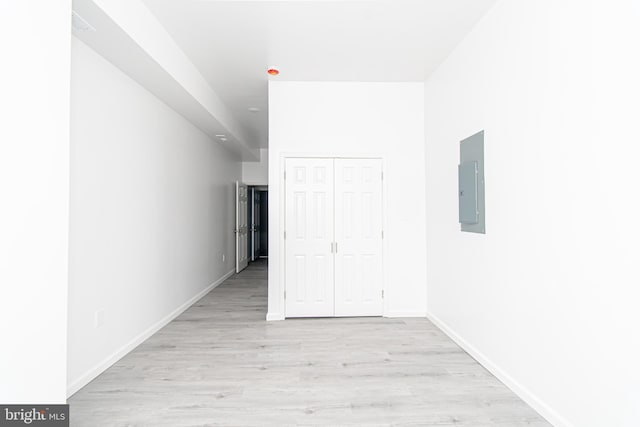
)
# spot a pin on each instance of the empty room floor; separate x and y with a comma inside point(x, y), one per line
point(221, 364)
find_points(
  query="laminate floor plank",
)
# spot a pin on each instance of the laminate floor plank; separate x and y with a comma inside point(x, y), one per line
point(221, 364)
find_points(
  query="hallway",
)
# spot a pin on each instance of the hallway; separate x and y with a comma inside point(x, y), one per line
point(221, 364)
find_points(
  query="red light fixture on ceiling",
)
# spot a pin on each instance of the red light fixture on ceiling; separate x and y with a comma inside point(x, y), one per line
point(273, 71)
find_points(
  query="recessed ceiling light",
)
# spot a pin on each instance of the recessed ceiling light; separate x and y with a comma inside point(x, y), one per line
point(254, 109)
point(223, 139)
point(221, 136)
point(273, 71)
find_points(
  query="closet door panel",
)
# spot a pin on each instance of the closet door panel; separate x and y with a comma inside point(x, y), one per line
point(309, 213)
point(358, 234)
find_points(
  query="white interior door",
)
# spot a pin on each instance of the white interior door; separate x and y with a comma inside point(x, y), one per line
point(241, 230)
point(358, 236)
point(309, 238)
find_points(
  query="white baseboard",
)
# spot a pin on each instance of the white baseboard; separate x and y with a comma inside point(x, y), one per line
point(531, 399)
point(405, 314)
point(274, 316)
point(92, 373)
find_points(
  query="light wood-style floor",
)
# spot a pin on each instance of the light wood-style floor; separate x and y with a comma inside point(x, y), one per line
point(221, 364)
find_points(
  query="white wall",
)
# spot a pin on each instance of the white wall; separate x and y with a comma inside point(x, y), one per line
point(548, 298)
point(152, 213)
point(34, 173)
point(357, 119)
point(257, 173)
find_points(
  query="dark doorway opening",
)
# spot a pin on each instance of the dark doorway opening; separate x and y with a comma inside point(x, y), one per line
point(258, 208)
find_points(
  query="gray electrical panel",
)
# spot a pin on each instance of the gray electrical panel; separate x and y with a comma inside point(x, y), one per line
point(468, 188)
point(471, 184)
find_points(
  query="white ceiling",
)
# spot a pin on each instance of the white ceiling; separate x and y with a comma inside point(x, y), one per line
point(232, 43)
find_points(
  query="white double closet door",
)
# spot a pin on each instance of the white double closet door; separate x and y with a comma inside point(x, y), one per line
point(333, 237)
